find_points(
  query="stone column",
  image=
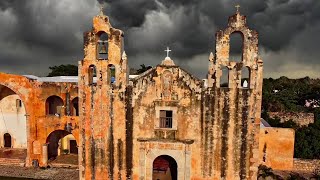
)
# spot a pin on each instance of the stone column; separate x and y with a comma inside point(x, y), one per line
point(45, 155)
point(59, 147)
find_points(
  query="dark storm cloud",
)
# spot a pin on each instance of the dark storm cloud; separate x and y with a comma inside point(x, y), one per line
point(278, 21)
point(38, 33)
point(130, 15)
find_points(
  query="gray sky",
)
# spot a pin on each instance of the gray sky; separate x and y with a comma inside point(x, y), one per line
point(36, 34)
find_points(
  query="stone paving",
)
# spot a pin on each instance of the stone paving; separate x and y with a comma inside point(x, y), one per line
point(38, 173)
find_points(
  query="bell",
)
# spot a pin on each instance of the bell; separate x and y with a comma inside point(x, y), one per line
point(103, 49)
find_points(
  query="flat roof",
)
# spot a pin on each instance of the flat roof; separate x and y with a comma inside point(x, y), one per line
point(72, 79)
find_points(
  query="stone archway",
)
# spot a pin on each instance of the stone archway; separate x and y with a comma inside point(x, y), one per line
point(62, 147)
point(23, 88)
point(177, 151)
point(13, 118)
point(165, 168)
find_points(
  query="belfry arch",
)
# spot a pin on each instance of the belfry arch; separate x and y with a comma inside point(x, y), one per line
point(236, 43)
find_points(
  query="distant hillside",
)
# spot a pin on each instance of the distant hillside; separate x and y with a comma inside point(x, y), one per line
point(295, 95)
point(290, 95)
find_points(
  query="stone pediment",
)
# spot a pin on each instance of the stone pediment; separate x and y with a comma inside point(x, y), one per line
point(169, 81)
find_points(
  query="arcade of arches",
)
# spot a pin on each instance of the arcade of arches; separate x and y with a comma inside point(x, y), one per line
point(48, 110)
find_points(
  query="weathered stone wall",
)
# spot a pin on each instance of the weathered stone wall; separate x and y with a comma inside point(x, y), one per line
point(307, 165)
point(302, 119)
point(276, 148)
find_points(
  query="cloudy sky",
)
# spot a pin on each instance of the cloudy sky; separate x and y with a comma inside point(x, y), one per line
point(36, 34)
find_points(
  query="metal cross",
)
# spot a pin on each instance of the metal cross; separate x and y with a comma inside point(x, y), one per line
point(238, 7)
point(168, 50)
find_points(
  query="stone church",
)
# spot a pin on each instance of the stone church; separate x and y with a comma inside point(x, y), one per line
point(162, 124)
point(166, 114)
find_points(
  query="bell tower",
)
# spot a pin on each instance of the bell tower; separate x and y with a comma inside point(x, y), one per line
point(236, 101)
point(103, 78)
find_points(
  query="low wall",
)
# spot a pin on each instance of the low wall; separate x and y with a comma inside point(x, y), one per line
point(299, 118)
point(307, 165)
point(276, 147)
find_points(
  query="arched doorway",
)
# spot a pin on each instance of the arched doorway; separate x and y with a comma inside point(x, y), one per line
point(62, 146)
point(164, 168)
point(7, 140)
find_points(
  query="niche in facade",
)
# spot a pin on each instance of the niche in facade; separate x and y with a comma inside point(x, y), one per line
point(102, 46)
point(236, 47)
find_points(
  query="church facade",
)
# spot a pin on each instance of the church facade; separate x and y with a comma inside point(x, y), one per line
point(201, 131)
point(162, 124)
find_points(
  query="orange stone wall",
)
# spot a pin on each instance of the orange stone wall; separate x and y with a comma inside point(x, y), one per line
point(276, 147)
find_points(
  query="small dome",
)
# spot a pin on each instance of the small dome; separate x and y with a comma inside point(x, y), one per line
point(168, 62)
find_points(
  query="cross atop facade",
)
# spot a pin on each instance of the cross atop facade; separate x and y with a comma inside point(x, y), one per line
point(238, 7)
point(167, 50)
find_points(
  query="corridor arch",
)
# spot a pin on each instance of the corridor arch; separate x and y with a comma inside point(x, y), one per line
point(55, 144)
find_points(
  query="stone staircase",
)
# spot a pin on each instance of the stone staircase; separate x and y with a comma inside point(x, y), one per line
point(12, 162)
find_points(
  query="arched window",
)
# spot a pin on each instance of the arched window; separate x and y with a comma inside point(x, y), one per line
point(54, 106)
point(224, 79)
point(92, 75)
point(236, 47)
point(75, 106)
point(7, 140)
point(102, 46)
point(111, 74)
point(245, 77)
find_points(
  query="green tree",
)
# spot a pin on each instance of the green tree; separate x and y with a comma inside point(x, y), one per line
point(143, 68)
point(63, 70)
